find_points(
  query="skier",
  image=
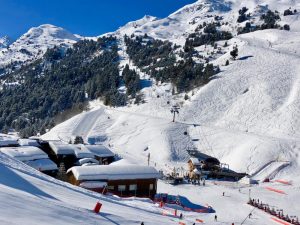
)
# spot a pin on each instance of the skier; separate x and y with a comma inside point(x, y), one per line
point(223, 193)
point(216, 218)
point(180, 216)
point(250, 214)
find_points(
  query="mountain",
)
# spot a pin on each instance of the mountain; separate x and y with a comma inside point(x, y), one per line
point(34, 43)
point(5, 42)
point(245, 115)
point(231, 66)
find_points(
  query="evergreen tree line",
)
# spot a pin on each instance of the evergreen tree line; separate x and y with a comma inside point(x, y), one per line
point(184, 74)
point(59, 82)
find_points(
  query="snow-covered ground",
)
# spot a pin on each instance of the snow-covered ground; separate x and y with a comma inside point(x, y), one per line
point(247, 116)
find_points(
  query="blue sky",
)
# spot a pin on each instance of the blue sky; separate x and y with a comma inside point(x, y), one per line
point(85, 17)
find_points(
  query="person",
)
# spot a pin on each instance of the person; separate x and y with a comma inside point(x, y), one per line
point(180, 216)
point(223, 193)
point(250, 214)
point(216, 218)
point(232, 224)
point(142, 223)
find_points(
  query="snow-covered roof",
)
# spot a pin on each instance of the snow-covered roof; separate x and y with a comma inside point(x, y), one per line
point(42, 164)
point(82, 152)
point(110, 172)
point(195, 161)
point(93, 184)
point(7, 140)
point(24, 153)
point(88, 160)
point(99, 150)
point(62, 149)
point(28, 142)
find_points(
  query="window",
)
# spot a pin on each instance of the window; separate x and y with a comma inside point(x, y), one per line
point(151, 187)
point(111, 187)
point(132, 187)
point(121, 187)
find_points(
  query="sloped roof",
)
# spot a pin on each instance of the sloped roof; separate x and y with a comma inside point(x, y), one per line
point(111, 172)
point(24, 153)
point(42, 164)
point(62, 149)
point(195, 161)
point(99, 150)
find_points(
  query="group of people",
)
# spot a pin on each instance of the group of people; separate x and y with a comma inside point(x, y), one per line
point(279, 213)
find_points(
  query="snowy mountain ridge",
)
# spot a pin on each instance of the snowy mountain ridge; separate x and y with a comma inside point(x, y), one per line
point(34, 43)
point(5, 42)
point(248, 114)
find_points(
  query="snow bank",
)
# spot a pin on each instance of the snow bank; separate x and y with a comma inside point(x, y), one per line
point(110, 172)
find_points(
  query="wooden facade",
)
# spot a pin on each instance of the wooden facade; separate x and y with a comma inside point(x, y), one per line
point(124, 188)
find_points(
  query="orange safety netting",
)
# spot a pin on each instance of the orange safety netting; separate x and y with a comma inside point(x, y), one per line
point(275, 190)
point(280, 221)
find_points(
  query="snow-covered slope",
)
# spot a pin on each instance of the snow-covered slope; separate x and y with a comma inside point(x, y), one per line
point(184, 21)
point(34, 43)
point(5, 42)
point(29, 197)
point(248, 114)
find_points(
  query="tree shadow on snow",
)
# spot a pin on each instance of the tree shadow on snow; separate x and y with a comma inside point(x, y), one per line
point(145, 83)
point(12, 179)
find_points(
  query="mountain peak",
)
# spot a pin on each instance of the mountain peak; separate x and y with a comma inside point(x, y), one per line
point(5, 41)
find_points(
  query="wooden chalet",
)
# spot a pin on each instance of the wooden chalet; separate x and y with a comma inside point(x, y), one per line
point(101, 153)
point(122, 180)
point(32, 156)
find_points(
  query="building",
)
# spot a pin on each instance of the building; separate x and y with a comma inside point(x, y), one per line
point(101, 153)
point(122, 180)
point(62, 153)
point(8, 141)
point(33, 157)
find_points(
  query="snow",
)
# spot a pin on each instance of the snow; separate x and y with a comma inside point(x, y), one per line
point(8, 140)
point(35, 42)
point(48, 200)
point(24, 153)
point(5, 42)
point(28, 142)
point(82, 152)
point(247, 117)
point(195, 161)
point(88, 160)
point(113, 172)
point(62, 149)
point(92, 184)
point(42, 164)
point(98, 150)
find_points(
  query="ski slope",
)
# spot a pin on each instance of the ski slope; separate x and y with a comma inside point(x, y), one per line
point(29, 197)
point(248, 115)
